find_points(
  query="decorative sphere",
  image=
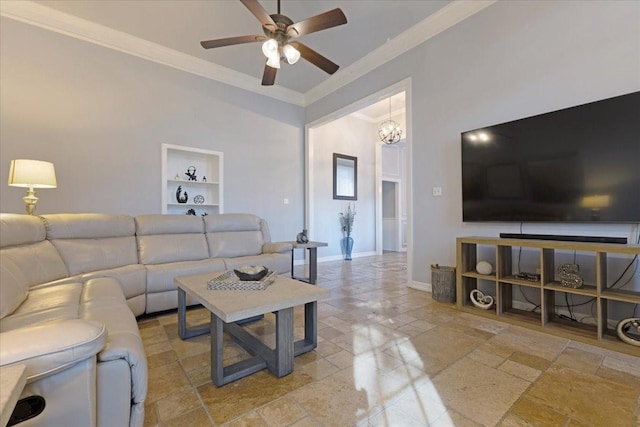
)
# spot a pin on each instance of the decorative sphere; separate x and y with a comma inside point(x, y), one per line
point(484, 267)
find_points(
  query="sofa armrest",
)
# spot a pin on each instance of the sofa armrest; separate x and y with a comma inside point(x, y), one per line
point(276, 247)
point(52, 347)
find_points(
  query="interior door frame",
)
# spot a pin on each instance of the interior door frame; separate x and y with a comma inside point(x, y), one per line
point(397, 189)
point(403, 85)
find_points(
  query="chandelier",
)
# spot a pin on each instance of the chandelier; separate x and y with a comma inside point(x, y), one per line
point(389, 131)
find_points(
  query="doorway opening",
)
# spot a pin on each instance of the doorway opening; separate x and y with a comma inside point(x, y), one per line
point(344, 132)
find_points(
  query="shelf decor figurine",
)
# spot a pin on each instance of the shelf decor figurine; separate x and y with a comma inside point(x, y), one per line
point(346, 223)
point(204, 179)
point(191, 173)
point(629, 330)
point(569, 276)
point(484, 267)
point(180, 196)
point(198, 199)
point(191, 212)
point(480, 300)
point(302, 237)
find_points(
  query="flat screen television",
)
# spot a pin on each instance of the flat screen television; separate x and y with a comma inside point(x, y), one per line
point(579, 164)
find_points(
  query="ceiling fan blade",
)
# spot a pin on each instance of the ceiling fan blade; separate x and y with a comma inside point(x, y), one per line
point(329, 19)
point(208, 44)
point(269, 76)
point(259, 12)
point(315, 58)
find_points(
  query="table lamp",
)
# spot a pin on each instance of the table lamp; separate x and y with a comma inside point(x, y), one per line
point(32, 174)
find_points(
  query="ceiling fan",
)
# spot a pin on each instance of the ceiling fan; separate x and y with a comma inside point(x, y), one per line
point(278, 32)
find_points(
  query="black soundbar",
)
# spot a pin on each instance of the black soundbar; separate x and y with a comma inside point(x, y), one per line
point(590, 239)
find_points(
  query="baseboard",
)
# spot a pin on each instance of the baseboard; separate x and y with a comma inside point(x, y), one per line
point(340, 257)
point(420, 286)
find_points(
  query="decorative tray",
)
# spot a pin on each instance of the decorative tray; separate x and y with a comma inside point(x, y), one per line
point(229, 281)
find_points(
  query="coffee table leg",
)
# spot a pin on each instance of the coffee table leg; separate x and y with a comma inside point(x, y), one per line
point(284, 342)
point(183, 330)
point(313, 265)
point(182, 313)
point(217, 350)
point(311, 324)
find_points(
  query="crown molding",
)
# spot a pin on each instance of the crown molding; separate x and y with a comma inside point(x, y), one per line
point(82, 29)
point(50, 19)
point(451, 14)
point(379, 119)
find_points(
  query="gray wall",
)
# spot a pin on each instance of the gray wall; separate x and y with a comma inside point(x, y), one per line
point(353, 137)
point(101, 116)
point(512, 60)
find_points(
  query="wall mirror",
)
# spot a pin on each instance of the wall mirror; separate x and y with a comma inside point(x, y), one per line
point(345, 177)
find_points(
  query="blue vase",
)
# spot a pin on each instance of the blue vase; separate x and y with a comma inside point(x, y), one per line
point(347, 247)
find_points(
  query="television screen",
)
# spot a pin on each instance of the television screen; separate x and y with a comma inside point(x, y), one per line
point(580, 164)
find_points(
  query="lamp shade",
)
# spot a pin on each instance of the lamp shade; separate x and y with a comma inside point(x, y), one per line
point(291, 53)
point(32, 174)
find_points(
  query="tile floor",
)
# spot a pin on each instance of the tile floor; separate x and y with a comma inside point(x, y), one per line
point(390, 356)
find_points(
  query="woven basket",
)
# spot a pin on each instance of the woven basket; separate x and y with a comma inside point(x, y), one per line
point(443, 283)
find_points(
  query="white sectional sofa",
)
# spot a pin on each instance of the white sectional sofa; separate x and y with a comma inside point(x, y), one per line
point(71, 286)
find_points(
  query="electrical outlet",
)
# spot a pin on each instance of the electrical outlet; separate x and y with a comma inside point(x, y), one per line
point(437, 191)
point(286, 201)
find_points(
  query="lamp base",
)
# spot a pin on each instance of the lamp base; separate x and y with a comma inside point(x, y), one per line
point(30, 201)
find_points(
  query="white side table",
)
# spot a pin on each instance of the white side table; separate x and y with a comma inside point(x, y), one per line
point(12, 380)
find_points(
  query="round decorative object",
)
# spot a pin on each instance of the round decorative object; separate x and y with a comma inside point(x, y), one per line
point(480, 300)
point(484, 267)
point(629, 330)
point(254, 273)
point(198, 199)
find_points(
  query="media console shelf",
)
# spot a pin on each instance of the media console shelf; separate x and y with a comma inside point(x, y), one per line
point(502, 282)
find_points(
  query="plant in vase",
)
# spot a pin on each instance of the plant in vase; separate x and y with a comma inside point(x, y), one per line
point(346, 222)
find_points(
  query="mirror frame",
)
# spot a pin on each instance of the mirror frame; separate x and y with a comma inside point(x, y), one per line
point(354, 179)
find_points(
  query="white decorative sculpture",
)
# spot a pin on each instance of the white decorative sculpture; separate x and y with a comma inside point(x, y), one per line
point(629, 330)
point(484, 267)
point(480, 300)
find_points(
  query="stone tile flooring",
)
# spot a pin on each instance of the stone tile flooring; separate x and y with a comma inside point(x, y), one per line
point(390, 356)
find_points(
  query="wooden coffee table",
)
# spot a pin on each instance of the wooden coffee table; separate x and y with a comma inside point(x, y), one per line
point(229, 307)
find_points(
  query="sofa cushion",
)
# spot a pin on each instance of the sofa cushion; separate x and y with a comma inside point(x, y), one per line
point(91, 242)
point(26, 259)
point(13, 288)
point(132, 278)
point(160, 276)
point(102, 301)
point(170, 238)
point(53, 346)
point(88, 226)
point(20, 230)
point(45, 304)
point(233, 235)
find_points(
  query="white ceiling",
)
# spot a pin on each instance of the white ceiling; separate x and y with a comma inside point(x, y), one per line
point(169, 32)
point(181, 25)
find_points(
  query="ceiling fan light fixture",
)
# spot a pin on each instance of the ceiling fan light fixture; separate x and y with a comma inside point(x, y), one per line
point(270, 48)
point(274, 61)
point(291, 53)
